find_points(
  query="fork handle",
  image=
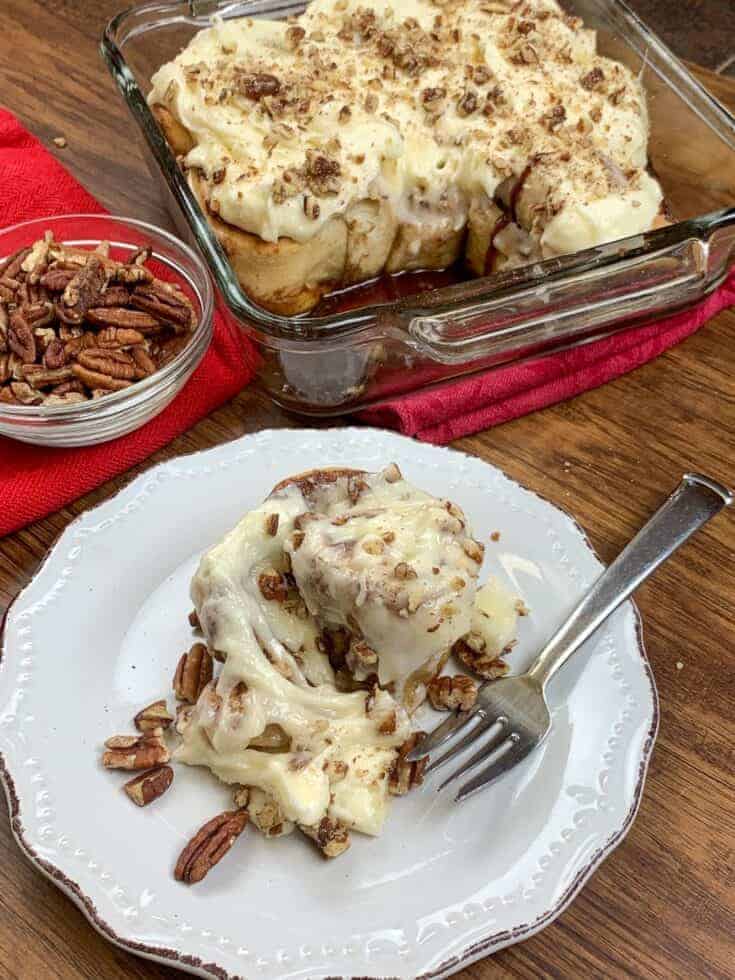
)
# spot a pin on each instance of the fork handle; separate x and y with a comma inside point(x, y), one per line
point(695, 501)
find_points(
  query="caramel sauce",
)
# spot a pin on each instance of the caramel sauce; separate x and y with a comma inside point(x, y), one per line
point(389, 288)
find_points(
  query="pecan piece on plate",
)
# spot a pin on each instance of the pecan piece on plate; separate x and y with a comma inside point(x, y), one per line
point(155, 715)
point(148, 786)
point(82, 291)
point(405, 775)
point(331, 837)
point(209, 846)
point(25, 394)
point(488, 665)
point(193, 672)
point(135, 751)
point(456, 693)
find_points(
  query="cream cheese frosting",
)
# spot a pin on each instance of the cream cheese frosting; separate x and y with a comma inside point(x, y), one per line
point(369, 554)
point(427, 107)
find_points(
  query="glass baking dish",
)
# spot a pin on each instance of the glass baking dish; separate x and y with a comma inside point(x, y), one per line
point(327, 365)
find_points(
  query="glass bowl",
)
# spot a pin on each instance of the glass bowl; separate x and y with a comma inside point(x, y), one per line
point(113, 415)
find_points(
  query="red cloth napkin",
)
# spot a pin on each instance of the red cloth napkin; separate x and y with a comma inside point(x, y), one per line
point(34, 480)
point(479, 402)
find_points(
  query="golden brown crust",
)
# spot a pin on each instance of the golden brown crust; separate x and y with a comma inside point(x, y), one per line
point(309, 479)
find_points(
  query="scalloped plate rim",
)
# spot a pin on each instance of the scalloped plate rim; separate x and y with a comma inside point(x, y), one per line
point(169, 956)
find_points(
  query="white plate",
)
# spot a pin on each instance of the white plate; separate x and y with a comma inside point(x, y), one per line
point(96, 634)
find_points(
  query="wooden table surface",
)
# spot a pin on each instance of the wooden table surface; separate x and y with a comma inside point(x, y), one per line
point(663, 905)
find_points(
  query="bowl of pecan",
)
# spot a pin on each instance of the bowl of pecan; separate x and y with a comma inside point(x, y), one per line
point(102, 321)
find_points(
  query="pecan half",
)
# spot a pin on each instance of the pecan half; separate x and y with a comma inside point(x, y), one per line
point(273, 586)
point(405, 775)
point(97, 381)
point(193, 673)
point(166, 303)
point(54, 356)
point(121, 318)
point(115, 337)
point(114, 363)
point(135, 751)
point(331, 837)
point(456, 693)
point(209, 845)
point(20, 338)
point(41, 377)
point(57, 280)
point(148, 786)
point(155, 715)
point(114, 296)
point(144, 363)
point(82, 291)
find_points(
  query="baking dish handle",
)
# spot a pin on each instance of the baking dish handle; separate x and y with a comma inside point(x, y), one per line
point(577, 306)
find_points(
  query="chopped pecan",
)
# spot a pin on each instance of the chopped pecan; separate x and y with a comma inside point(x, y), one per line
point(273, 586)
point(114, 296)
point(456, 693)
point(136, 751)
point(330, 835)
point(487, 665)
point(56, 279)
point(24, 394)
point(356, 485)
point(97, 381)
point(5, 372)
point(209, 845)
point(155, 715)
point(405, 775)
point(39, 314)
point(404, 571)
point(592, 79)
point(264, 811)
point(474, 550)
point(148, 786)
point(467, 104)
point(11, 266)
point(82, 291)
point(21, 339)
point(194, 620)
point(271, 525)
point(193, 672)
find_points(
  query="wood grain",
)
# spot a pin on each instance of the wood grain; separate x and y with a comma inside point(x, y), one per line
point(664, 904)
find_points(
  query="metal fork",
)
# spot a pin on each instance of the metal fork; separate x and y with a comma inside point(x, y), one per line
point(511, 716)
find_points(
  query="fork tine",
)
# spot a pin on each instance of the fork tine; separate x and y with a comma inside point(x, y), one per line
point(494, 741)
point(434, 740)
point(461, 745)
point(511, 757)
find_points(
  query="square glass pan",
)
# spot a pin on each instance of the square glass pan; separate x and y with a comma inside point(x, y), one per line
point(333, 364)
